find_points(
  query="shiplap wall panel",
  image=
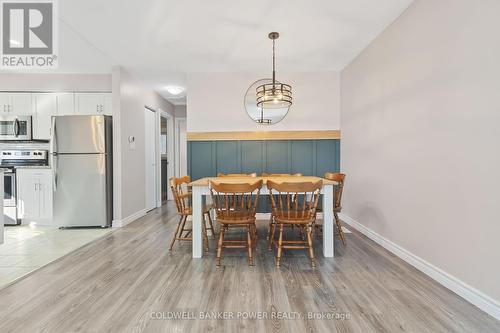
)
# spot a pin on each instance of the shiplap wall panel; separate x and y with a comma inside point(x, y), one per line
point(252, 156)
point(302, 157)
point(309, 157)
point(227, 157)
point(277, 157)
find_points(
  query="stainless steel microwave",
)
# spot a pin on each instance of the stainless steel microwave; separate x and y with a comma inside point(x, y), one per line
point(15, 128)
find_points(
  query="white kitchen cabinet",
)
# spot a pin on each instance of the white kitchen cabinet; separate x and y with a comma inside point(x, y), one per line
point(65, 104)
point(34, 195)
point(16, 103)
point(108, 104)
point(4, 103)
point(44, 106)
point(93, 103)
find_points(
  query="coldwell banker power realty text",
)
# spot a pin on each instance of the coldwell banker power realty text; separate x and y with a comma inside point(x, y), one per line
point(29, 30)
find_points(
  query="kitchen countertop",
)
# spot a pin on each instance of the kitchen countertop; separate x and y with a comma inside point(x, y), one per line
point(33, 167)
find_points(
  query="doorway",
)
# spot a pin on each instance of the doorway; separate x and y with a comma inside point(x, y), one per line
point(150, 158)
point(164, 157)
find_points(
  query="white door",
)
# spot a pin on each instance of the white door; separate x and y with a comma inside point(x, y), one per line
point(150, 158)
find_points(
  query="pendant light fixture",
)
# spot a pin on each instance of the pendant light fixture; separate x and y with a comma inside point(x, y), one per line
point(274, 95)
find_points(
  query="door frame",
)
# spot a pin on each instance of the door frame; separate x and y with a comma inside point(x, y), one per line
point(156, 157)
point(170, 151)
point(178, 171)
point(170, 154)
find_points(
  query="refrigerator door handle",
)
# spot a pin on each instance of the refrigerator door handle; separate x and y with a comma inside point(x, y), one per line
point(53, 143)
point(54, 171)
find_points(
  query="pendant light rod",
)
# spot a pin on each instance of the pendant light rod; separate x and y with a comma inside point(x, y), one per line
point(274, 35)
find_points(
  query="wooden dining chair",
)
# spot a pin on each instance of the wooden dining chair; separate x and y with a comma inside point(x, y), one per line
point(294, 204)
point(220, 174)
point(235, 206)
point(337, 203)
point(271, 219)
point(182, 198)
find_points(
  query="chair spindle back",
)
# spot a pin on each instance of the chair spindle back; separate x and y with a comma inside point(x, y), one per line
point(180, 192)
point(296, 200)
point(337, 190)
point(235, 197)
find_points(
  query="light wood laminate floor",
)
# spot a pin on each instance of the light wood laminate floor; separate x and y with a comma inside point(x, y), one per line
point(127, 281)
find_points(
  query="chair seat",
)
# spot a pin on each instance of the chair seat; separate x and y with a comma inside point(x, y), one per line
point(293, 217)
point(189, 210)
point(236, 216)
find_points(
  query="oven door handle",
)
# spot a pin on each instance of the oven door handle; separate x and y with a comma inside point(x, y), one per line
point(16, 127)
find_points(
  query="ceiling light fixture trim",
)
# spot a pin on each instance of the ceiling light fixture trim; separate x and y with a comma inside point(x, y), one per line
point(175, 90)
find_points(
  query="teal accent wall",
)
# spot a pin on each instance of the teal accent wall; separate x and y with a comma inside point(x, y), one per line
point(309, 157)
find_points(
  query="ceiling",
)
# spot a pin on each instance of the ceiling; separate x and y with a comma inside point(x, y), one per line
point(160, 41)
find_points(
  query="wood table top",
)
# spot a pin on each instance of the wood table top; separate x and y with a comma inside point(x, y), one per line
point(251, 180)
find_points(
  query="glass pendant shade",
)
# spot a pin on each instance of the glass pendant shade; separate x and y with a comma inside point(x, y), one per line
point(274, 95)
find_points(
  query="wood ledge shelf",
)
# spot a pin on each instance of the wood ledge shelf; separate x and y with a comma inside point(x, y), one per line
point(264, 135)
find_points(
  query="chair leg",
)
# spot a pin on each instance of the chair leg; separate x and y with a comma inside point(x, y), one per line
point(271, 235)
point(249, 245)
point(176, 232)
point(204, 231)
point(270, 226)
point(310, 245)
point(212, 229)
point(219, 244)
point(254, 234)
point(280, 244)
point(339, 228)
point(183, 224)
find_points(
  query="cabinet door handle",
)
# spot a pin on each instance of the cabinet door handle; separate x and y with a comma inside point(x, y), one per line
point(35, 187)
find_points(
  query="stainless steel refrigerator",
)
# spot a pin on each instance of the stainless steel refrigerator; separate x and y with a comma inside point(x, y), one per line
point(81, 160)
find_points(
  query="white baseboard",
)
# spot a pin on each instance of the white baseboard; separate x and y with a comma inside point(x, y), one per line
point(472, 295)
point(129, 219)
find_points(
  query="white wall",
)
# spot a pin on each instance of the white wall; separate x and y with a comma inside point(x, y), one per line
point(180, 111)
point(420, 137)
point(129, 99)
point(55, 82)
point(215, 102)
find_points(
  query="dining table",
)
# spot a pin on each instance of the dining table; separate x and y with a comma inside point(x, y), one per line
point(201, 189)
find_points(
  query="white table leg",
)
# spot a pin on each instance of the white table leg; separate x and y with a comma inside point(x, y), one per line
point(328, 249)
point(197, 220)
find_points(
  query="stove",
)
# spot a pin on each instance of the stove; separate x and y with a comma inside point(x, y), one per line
point(10, 159)
point(13, 158)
